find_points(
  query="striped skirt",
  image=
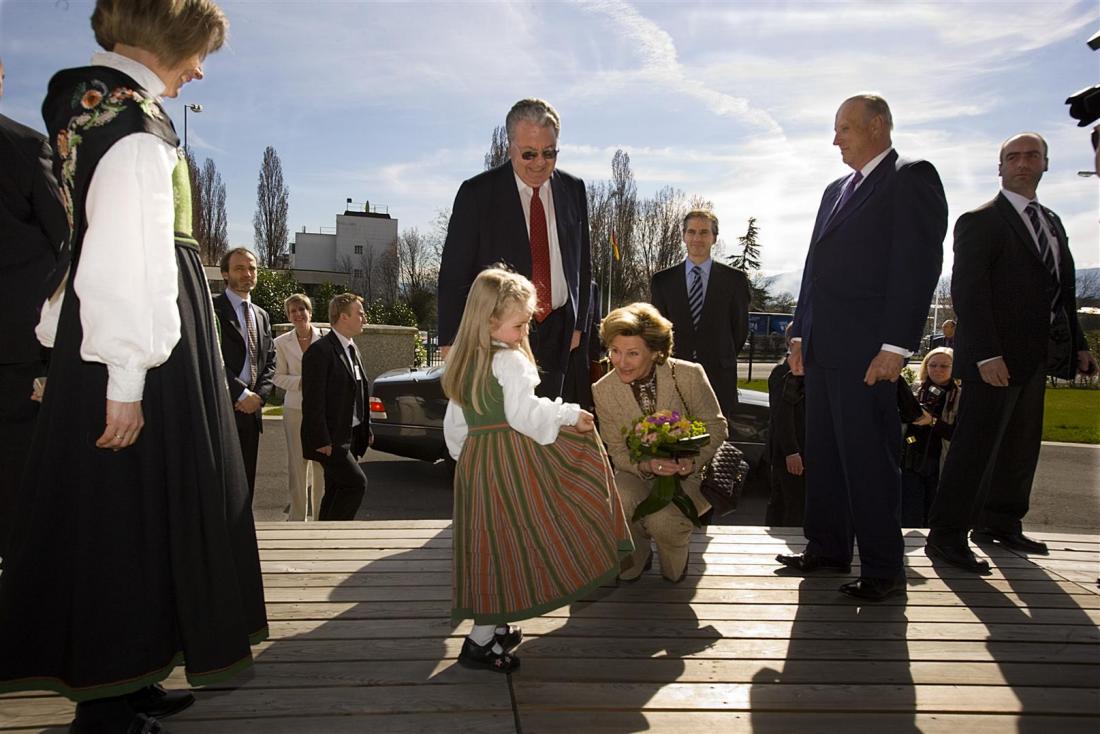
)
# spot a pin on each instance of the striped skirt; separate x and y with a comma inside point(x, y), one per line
point(535, 527)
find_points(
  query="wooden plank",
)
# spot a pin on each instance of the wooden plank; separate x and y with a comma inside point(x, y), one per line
point(633, 611)
point(643, 593)
point(606, 648)
point(802, 697)
point(536, 721)
point(833, 630)
point(481, 694)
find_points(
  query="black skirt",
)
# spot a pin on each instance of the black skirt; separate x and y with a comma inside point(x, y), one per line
point(125, 564)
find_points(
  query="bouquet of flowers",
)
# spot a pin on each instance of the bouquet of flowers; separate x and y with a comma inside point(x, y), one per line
point(666, 434)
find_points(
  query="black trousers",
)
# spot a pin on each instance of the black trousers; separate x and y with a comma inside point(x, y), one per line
point(986, 478)
point(345, 485)
point(550, 345)
point(248, 429)
point(17, 414)
point(853, 481)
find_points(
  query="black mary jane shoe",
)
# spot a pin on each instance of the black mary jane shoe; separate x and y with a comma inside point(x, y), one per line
point(158, 703)
point(508, 639)
point(485, 657)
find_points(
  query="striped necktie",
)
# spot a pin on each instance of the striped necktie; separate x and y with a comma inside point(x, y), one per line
point(695, 295)
point(1046, 253)
point(250, 325)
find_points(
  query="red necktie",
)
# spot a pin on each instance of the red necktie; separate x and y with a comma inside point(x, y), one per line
point(540, 257)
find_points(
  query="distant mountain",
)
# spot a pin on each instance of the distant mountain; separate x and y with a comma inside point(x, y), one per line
point(786, 282)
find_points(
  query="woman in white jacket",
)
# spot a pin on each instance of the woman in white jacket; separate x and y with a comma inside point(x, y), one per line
point(289, 348)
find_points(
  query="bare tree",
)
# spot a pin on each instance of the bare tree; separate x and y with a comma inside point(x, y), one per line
point(498, 148)
point(1088, 286)
point(211, 224)
point(272, 204)
point(389, 274)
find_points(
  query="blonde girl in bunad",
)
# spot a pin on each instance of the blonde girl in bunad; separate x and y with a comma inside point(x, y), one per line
point(537, 519)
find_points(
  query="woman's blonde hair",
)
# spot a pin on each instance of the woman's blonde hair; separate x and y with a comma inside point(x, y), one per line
point(639, 319)
point(495, 293)
point(172, 30)
point(300, 298)
point(922, 374)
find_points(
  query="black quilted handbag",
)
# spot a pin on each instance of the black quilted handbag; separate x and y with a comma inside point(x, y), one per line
point(724, 476)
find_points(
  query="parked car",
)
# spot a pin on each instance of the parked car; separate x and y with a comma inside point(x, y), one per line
point(407, 408)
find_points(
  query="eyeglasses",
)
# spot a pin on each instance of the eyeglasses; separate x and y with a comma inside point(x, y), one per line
point(547, 155)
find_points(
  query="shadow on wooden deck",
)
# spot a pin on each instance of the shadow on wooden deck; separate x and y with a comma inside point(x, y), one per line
point(361, 641)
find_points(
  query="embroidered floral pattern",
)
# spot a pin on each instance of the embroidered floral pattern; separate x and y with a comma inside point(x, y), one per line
point(99, 106)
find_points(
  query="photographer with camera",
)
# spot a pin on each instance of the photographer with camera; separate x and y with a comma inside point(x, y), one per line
point(927, 437)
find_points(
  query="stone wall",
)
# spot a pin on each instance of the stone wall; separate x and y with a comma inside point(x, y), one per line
point(383, 347)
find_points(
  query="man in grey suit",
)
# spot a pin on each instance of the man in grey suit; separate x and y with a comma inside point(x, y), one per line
point(708, 305)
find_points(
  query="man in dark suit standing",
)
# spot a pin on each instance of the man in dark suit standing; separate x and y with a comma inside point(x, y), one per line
point(248, 350)
point(708, 305)
point(335, 414)
point(534, 218)
point(33, 229)
point(875, 254)
point(947, 338)
point(1013, 287)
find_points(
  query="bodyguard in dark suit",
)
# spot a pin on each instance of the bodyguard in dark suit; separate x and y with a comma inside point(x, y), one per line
point(335, 412)
point(248, 350)
point(533, 218)
point(875, 256)
point(32, 230)
point(1014, 291)
point(708, 305)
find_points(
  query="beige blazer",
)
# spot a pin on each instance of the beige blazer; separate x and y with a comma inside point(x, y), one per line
point(288, 366)
point(616, 408)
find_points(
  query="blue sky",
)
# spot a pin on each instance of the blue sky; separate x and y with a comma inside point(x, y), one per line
point(395, 102)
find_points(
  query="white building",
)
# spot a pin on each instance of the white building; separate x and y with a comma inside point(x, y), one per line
point(359, 240)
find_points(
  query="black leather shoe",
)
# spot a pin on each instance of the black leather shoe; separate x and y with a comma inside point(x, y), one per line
point(158, 703)
point(808, 563)
point(138, 724)
point(959, 556)
point(872, 589)
point(1015, 541)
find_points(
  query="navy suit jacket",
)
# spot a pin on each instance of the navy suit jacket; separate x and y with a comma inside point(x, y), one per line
point(233, 351)
point(328, 400)
point(33, 229)
point(487, 226)
point(1002, 292)
point(871, 269)
point(723, 324)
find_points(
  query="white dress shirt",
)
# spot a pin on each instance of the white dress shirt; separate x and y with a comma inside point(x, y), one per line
point(704, 267)
point(359, 376)
point(127, 276)
point(559, 289)
point(539, 419)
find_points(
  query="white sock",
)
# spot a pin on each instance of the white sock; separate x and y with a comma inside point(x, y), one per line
point(482, 634)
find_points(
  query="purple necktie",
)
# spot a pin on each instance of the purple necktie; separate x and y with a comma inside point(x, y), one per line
point(846, 194)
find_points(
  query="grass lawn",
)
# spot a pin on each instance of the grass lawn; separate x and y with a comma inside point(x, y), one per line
point(1070, 415)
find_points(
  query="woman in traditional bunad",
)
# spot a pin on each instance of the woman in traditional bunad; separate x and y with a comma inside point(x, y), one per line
point(136, 548)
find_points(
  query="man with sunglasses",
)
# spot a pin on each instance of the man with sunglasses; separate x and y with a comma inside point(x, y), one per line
point(534, 218)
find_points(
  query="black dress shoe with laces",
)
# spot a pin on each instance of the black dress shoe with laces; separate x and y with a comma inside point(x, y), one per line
point(158, 703)
point(955, 554)
point(874, 589)
point(1015, 541)
point(809, 563)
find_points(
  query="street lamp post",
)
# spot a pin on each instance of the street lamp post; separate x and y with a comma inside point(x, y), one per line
point(194, 108)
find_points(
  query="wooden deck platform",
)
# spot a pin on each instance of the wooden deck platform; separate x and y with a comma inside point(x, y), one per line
point(361, 642)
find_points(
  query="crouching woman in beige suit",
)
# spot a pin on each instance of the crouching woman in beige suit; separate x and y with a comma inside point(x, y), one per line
point(643, 381)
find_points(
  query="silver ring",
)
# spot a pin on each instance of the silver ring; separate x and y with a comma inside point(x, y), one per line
point(118, 435)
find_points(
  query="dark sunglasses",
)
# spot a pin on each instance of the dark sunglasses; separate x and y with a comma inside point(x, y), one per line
point(547, 155)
